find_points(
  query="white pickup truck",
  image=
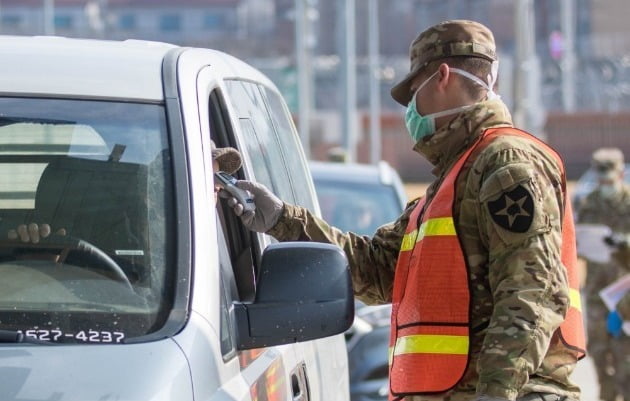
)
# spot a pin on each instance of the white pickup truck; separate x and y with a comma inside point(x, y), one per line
point(147, 288)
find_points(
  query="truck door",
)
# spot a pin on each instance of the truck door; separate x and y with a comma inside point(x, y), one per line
point(327, 354)
point(271, 143)
point(273, 373)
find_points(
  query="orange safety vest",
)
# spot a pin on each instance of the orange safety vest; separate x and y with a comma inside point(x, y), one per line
point(430, 331)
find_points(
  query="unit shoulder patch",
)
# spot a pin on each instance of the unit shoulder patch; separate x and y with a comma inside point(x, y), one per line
point(513, 210)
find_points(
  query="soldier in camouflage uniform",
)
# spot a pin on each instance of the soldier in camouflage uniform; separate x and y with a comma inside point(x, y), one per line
point(608, 204)
point(519, 291)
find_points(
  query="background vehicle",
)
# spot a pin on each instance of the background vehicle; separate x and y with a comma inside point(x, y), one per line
point(361, 198)
point(358, 197)
point(155, 292)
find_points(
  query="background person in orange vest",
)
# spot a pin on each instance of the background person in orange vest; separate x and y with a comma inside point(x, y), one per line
point(608, 204)
point(483, 287)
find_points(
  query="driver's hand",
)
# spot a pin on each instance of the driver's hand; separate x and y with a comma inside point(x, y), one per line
point(32, 233)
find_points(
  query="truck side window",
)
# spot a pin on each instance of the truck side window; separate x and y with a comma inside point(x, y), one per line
point(291, 149)
point(260, 138)
point(239, 240)
point(229, 293)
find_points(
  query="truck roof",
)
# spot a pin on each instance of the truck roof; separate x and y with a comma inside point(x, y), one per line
point(58, 66)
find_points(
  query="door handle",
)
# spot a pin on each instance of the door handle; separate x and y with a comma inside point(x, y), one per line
point(299, 384)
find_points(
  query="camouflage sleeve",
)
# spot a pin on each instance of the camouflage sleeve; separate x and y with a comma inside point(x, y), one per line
point(587, 211)
point(372, 260)
point(520, 221)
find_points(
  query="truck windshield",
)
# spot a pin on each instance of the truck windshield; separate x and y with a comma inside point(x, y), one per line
point(86, 232)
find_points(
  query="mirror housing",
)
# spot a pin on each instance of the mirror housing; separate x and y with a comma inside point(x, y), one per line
point(304, 292)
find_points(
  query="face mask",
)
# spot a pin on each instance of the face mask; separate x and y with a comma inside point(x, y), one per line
point(420, 126)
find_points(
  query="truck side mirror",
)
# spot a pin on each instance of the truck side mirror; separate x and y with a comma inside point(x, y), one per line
point(304, 292)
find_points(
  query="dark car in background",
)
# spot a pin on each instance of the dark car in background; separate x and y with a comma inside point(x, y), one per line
point(360, 198)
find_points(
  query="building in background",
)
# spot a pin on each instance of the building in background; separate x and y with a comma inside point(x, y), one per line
point(234, 25)
point(263, 33)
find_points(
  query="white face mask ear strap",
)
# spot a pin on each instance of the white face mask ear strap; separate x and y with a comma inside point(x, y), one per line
point(494, 73)
point(472, 77)
point(492, 78)
point(422, 85)
point(454, 110)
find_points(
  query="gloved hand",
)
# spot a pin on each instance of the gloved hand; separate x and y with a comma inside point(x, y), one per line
point(268, 207)
point(614, 323)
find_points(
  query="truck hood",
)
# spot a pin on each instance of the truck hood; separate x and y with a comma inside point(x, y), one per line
point(150, 371)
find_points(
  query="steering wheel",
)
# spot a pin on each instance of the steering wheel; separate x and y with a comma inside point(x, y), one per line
point(69, 244)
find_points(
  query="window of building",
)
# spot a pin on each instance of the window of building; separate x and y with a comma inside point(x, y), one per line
point(170, 22)
point(11, 21)
point(64, 22)
point(127, 22)
point(213, 21)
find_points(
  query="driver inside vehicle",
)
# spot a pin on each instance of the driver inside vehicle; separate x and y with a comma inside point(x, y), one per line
point(32, 232)
point(225, 159)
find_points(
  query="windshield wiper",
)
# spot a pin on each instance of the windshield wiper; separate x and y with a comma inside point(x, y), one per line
point(14, 336)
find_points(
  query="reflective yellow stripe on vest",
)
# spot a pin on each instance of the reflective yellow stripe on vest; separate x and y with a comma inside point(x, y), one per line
point(437, 226)
point(431, 227)
point(430, 344)
point(408, 241)
point(575, 299)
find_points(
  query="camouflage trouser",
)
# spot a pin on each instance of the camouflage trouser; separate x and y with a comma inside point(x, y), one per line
point(543, 397)
point(469, 397)
point(611, 357)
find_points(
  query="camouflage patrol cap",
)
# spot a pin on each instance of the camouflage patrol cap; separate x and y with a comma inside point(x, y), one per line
point(608, 161)
point(229, 159)
point(455, 38)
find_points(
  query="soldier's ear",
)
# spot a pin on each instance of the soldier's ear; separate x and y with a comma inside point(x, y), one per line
point(444, 75)
point(445, 78)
